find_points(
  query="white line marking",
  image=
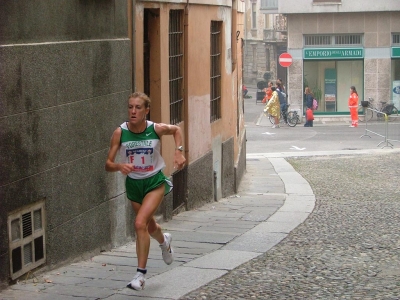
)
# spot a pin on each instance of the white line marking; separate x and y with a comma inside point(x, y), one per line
point(297, 148)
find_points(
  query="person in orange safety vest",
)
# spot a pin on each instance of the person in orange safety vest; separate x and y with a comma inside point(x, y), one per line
point(353, 106)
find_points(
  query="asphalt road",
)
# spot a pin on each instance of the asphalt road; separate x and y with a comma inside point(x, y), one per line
point(332, 136)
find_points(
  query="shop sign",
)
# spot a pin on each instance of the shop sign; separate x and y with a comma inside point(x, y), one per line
point(330, 89)
point(396, 52)
point(334, 53)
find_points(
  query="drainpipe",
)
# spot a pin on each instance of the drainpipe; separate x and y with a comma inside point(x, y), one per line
point(234, 35)
point(185, 86)
point(133, 50)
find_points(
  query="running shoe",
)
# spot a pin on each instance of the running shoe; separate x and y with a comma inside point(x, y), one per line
point(137, 282)
point(167, 251)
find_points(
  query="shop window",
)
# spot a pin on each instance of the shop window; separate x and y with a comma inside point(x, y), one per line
point(215, 70)
point(330, 81)
point(176, 66)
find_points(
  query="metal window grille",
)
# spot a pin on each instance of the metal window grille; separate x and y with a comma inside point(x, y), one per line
point(176, 66)
point(331, 1)
point(333, 40)
point(215, 68)
point(269, 4)
point(26, 239)
point(352, 39)
point(396, 38)
point(317, 40)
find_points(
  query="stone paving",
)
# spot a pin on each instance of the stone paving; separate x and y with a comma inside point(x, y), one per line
point(348, 248)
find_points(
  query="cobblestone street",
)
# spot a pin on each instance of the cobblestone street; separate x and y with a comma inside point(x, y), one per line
point(348, 248)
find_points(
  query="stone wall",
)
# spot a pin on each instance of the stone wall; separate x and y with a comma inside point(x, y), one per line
point(64, 81)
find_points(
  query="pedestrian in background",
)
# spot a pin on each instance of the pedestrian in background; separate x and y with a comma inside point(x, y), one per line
point(280, 83)
point(282, 99)
point(245, 91)
point(353, 106)
point(139, 142)
point(268, 92)
point(273, 107)
point(309, 106)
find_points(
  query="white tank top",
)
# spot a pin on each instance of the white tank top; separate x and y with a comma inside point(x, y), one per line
point(142, 150)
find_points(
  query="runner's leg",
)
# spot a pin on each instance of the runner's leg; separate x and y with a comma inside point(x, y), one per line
point(146, 224)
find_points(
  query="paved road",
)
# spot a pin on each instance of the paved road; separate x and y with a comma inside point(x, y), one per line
point(316, 217)
point(349, 246)
point(331, 136)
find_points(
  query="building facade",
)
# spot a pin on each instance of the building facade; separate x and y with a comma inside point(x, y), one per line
point(265, 39)
point(66, 73)
point(188, 58)
point(341, 43)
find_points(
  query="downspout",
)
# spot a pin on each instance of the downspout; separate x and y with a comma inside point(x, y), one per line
point(133, 50)
point(234, 35)
point(185, 85)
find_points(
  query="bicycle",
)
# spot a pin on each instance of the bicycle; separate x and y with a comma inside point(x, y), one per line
point(291, 116)
point(366, 114)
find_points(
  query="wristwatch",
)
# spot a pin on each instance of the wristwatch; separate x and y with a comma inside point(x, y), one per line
point(180, 148)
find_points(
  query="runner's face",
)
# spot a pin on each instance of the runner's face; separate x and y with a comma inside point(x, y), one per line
point(137, 110)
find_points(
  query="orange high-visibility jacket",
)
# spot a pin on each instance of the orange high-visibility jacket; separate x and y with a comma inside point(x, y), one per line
point(353, 100)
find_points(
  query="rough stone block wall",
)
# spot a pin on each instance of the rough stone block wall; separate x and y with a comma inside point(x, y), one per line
point(240, 166)
point(228, 174)
point(200, 182)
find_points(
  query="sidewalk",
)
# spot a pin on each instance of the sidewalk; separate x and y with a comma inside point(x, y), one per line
point(208, 242)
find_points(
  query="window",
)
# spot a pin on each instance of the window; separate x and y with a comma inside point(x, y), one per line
point(333, 40)
point(254, 15)
point(26, 239)
point(327, 1)
point(347, 39)
point(266, 21)
point(396, 39)
point(313, 40)
point(215, 71)
point(269, 4)
point(176, 66)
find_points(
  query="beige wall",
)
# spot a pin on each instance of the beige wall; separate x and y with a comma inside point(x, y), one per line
point(201, 136)
point(377, 27)
point(308, 6)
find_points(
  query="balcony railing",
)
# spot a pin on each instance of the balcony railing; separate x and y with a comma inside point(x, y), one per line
point(280, 24)
point(269, 5)
point(273, 36)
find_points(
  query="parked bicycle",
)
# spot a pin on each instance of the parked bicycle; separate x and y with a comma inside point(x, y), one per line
point(365, 114)
point(291, 117)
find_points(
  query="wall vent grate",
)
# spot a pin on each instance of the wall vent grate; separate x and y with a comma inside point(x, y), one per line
point(26, 239)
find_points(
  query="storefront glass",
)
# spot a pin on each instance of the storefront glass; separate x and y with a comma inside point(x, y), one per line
point(330, 72)
point(396, 82)
point(330, 82)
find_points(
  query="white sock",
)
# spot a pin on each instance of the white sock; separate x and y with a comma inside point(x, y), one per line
point(164, 244)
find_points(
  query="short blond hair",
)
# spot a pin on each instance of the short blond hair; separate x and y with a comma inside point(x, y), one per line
point(142, 96)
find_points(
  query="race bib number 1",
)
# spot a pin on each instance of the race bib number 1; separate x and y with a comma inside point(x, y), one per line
point(141, 159)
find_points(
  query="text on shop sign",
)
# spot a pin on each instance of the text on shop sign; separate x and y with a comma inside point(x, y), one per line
point(333, 53)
